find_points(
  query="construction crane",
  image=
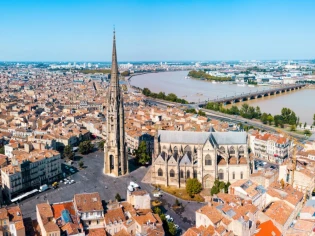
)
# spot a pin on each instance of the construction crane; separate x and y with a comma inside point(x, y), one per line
point(296, 143)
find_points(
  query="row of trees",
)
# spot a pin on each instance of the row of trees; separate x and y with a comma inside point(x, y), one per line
point(245, 111)
point(200, 74)
point(193, 111)
point(287, 116)
point(161, 95)
point(169, 227)
point(85, 147)
point(141, 153)
point(219, 186)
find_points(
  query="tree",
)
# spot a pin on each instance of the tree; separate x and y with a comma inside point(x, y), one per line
point(305, 125)
point(68, 152)
point(221, 185)
point(201, 113)
point(264, 118)
point(226, 188)
point(234, 110)
point(81, 164)
point(214, 190)
point(157, 210)
point(141, 153)
point(270, 119)
point(118, 197)
point(85, 147)
point(101, 144)
point(171, 228)
point(146, 92)
point(193, 186)
point(314, 119)
point(293, 128)
point(307, 132)
point(2, 150)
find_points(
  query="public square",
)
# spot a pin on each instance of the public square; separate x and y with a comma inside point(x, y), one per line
point(92, 179)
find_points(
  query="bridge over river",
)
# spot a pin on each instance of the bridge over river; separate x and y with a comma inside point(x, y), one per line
point(253, 95)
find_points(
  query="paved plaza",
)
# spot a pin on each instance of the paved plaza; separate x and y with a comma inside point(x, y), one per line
point(92, 179)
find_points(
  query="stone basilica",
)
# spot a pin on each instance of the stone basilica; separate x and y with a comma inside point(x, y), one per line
point(180, 155)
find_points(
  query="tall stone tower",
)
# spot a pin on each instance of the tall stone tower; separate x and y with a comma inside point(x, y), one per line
point(115, 162)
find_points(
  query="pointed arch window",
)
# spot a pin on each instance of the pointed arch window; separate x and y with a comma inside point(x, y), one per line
point(160, 172)
point(188, 174)
point(172, 173)
point(195, 174)
point(221, 174)
point(182, 174)
point(208, 161)
point(187, 150)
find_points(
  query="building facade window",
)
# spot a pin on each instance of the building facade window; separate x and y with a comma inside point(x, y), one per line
point(233, 175)
point(160, 172)
point(172, 173)
point(188, 174)
point(241, 174)
point(182, 174)
point(208, 161)
point(221, 174)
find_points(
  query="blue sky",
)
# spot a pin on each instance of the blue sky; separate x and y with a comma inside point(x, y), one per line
point(77, 30)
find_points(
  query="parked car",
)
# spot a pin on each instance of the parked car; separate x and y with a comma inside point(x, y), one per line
point(169, 218)
point(43, 188)
point(157, 194)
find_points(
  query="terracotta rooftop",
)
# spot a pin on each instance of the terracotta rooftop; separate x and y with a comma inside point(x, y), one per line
point(87, 202)
point(268, 229)
point(275, 208)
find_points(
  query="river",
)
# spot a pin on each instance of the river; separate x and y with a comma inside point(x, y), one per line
point(302, 102)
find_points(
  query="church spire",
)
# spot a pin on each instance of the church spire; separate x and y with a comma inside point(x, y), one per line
point(114, 72)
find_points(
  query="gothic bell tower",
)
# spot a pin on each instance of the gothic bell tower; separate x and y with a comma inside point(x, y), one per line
point(115, 158)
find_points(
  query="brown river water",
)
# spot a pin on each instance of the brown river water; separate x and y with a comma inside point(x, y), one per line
point(302, 102)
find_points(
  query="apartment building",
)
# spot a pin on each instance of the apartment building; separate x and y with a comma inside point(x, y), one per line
point(30, 169)
point(11, 221)
point(304, 176)
point(45, 220)
point(284, 199)
point(90, 209)
point(140, 199)
point(271, 147)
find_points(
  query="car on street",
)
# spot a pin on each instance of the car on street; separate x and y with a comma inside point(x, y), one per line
point(43, 188)
point(169, 218)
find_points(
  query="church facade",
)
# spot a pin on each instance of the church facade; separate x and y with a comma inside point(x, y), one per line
point(180, 155)
point(115, 158)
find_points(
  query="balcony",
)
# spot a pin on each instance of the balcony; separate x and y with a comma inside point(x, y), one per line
point(92, 217)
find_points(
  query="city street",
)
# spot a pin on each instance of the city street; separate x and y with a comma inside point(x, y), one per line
point(92, 179)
